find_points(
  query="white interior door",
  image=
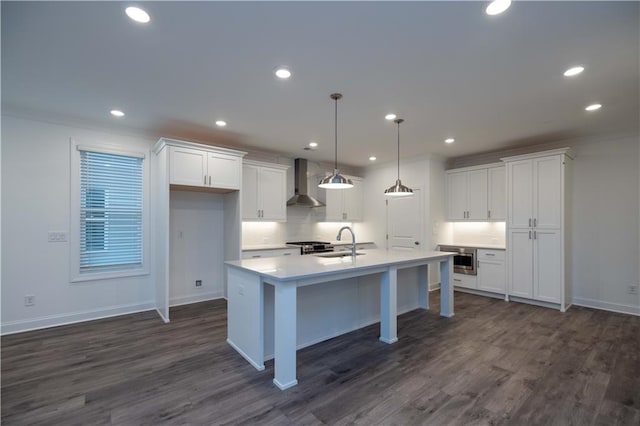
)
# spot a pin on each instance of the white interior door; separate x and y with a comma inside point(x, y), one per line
point(405, 222)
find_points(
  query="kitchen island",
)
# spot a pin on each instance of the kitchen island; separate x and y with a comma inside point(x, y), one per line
point(248, 281)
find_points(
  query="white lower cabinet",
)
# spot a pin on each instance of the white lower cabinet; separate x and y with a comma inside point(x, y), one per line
point(491, 271)
point(465, 281)
point(535, 259)
point(255, 254)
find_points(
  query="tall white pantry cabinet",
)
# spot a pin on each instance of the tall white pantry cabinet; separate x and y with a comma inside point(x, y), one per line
point(537, 230)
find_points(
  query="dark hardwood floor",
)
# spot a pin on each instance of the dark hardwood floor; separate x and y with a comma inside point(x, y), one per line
point(493, 363)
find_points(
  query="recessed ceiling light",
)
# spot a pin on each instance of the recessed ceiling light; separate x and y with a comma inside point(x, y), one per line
point(313, 144)
point(449, 140)
point(283, 73)
point(117, 113)
point(137, 14)
point(593, 107)
point(390, 116)
point(372, 158)
point(221, 123)
point(573, 71)
point(496, 7)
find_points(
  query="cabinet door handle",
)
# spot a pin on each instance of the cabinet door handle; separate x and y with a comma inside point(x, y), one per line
point(529, 234)
point(535, 235)
point(209, 180)
point(535, 222)
point(529, 223)
point(488, 214)
point(205, 180)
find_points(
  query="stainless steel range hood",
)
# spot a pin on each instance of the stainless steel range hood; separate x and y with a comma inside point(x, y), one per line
point(302, 197)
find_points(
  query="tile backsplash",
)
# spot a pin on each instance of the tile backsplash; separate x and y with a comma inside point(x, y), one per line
point(303, 224)
point(490, 233)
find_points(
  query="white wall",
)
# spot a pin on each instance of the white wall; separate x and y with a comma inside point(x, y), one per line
point(605, 223)
point(196, 246)
point(36, 200)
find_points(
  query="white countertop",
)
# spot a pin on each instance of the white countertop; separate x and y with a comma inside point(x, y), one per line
point(477, 246)
point(293, 268)
point(272, 246)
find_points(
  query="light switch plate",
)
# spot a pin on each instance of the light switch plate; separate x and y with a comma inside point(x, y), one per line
point(57, 236)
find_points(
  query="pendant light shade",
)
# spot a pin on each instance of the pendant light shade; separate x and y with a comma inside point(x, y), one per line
point(336, 180)
point(398, 189)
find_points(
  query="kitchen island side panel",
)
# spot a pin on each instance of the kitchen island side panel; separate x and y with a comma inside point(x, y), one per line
point(245, 312)
point(338, 307)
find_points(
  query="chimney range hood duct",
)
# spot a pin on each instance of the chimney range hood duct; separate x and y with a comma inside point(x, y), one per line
point(301, 197)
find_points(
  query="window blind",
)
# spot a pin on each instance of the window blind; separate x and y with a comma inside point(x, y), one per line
point(111, 201)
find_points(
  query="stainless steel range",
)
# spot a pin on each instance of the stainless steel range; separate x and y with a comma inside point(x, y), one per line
point(311, 247)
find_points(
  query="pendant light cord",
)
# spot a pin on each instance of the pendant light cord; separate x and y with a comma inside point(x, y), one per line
point(398, 150)
point(336, 136)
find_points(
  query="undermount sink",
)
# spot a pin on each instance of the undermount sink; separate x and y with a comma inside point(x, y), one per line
point(337, 254)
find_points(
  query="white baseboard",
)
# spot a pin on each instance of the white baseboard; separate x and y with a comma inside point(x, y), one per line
point(480, 292)
point(164, 319)
point(434, 286)
point(12, 327)
point(195, 298)
point(245, 356)
point(607, 306)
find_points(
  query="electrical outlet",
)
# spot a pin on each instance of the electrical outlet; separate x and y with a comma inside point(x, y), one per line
point(29, 300)
point(198, 283)
point(633, 289)
point(57, 236)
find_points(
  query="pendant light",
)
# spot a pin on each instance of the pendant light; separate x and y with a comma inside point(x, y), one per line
point(398, 190)
point(336, 180)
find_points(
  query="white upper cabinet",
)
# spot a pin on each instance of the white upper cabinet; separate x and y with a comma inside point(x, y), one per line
point(535, 193)
point(476, 193)
point(264, 191)
point(203, 166)
point(188, 166)
point(496, 196)
point(345, 204)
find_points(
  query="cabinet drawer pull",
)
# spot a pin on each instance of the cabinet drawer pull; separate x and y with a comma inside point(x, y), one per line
point(489, 254)
point(256, 255)
point(457, 280)
point(287, 254)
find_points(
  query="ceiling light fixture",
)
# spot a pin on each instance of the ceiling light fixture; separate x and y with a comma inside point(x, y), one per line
point(313, 144)
point(283, 73)
point(573, 71)
point(117, 113)
point(593, 107)
point(398, 189)
point(137, 14)
point(449, 140)
point(496, 7)
point(221, 123)
point(372, 158)
point(390, 116)
point(336, 180)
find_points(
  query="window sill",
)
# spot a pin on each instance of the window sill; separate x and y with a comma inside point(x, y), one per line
point(95, 276)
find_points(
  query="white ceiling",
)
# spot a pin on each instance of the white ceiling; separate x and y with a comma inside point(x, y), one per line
point(447, 68)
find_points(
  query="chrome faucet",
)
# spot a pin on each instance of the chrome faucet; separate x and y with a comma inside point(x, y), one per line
point(353, 239)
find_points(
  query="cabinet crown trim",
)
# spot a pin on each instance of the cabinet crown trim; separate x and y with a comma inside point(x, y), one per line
point(478, 167)
point(264, 164)
point(566, 151)
point(162, 142)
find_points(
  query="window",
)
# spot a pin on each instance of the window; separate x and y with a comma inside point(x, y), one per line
point(108, 214)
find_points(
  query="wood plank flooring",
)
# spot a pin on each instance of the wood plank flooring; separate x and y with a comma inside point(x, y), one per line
point(493, 363)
